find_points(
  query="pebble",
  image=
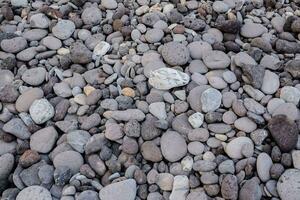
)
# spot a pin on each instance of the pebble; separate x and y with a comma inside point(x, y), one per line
point(250, 191)
point(263, 166)
point(245, 124)
point(296, 159)
point(270, 82)
point(173, 146)
point(196, 119)
point(44, 139)
point(252, 30)
point(167, 78)
point(284, 131)
point(165, 181)
point(288, 185)
point(41, 111)
point(101, 49)
point(51, 42)
point(78, 139)
point(13, 45)
point(175, 53)
point(19, 3)
point(17, 128)
point(123, 190)
point(210, 100)
point(151, 152)
point(80, 54)
point(125, 115)
point(234, 148)
point(180, 187)
point(91, 15)
point(7, 164)
point(290, 94)
point(8, 94)
point(154, 35)
point(216, 59)
point(34, 193)
point(229, 187)
point(34, 76)
point(25, 100)
point(198, 49)
point(39, 20)
point(109, 4)
point(69, 159)
point(158, 110)
point(220, 7)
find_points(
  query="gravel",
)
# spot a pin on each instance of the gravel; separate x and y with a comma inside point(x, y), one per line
point(179, 100)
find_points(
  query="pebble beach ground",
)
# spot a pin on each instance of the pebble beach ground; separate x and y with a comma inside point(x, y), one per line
point(149, 100)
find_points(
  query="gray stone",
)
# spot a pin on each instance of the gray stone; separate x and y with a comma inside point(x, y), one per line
point(175, 53)
point(69, 159)
point(173, 146)
point(216, 59)
point(13, 45)
point(44, 139)
point(288, 185)
point(263, 166)
point(210, 100)
point(39, 20)
point(252, 30)
point(7, 163)
point(34, 76)
point(91, 15)
point(34, 193)
point(63, 29)
point(78, 139)
point(125, 115)
point(41, 111)
point(123, 190)
point(17, 128)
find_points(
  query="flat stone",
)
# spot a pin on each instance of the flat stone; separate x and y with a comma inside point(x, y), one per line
point(78, 139)
point(252, 30)
point(173, 146)
point(270, 82)
point(125, 115)
point(7, 163)
point(284, 131)
point(263, 166)
point(234, 147)
point(229, 187)
point(175, 53)
point(288, 185)
point(34, 193)
point(180, 187)
point(216, 59)
point(196, 119)
point(41, 111)
point(210, 100)
point(250, 191)
point(123, 190)
point(245, 124)
point(167, 78)
point(17, 128)
point(290, 94)
point(34, 76)
point(44, 139)
point(13, 45)
point(63, 29)
point(69, 159)
point(158, 110)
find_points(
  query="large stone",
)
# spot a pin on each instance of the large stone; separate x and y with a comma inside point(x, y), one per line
point(80, 54)
point(175, 53)
point(41, 111)
point(252, 30)
point(123, 190)
point(250, 191)
point(34, 76)
point(210, 100)
point(216, 59)
point(167, 78)
point(284, 131)
point(253, 74)
point(78, 139)
point(263, 166)
point(17, 128)
point(63, 29)
point(229, 187)
point(290, 94)
point(180, 188)
point(34, 193)
point(288, 185)
point(44, 139)
point(173, 146)
point(270, 82)
point(69, 159)
point(235, 147)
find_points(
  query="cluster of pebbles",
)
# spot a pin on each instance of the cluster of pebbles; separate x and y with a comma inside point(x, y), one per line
point(149, 99)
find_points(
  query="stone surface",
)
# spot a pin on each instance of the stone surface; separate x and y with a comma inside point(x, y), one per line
point(123, 190)
point(173, 146)
point(175, 53)
point(34, 76)
point(284, 131)
point(34, 193)
point(216, 59)
point(263, 166)
point(270, 82)
point(17, 128)
point(210, 100)
point(288, 185)
point(167, 78)
point(41, 111)
point(235, 147)
point(63, 29)
point(44, 139)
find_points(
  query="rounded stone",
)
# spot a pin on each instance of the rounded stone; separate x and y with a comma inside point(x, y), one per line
point(263, 166)
point(70, 159)
point(34, 193)
point(288, 185)
point(173, 146)
point(13, 45)
point(91, 15)
point(175, 53)
point(41, 111)
point(216, 59)
point(63, 29)
point(44, 139)
point(210, 100)
point(154, 35)
point(234, 147)
point(34, 76)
